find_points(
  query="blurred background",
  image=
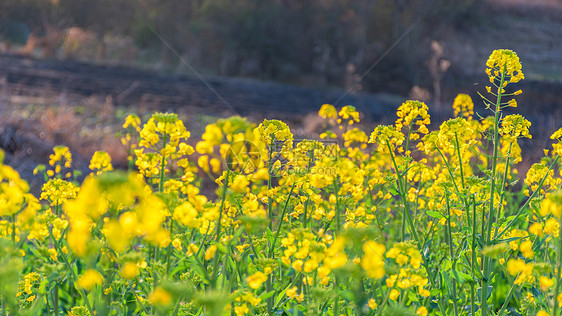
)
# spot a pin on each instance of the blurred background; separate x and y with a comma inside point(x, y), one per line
point(70, 70)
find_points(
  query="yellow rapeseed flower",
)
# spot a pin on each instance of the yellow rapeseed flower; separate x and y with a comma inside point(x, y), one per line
point(89, 279)
point(241, 310)
point(373, 259)
point(463, 105)
point(422, 311)
point(545, 283)
point(504, 61)
point(160, 297)
point(61, 156)
point(58, 191)
point(256, 280)
point(328, 111)
point(129, 271)
point(239, 184)
point(372, 304)
point(394, 293)
point(176, 243)
point(210, 252)
point(100, 162)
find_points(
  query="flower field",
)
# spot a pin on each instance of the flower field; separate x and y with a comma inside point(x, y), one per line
point(397, 220)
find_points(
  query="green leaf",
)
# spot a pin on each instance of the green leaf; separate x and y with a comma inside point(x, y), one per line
point(435, 214)
point(488, 293)
point(446, 265)
point(412, 296)
point(448, 282)
point(266, 295)
point(269, 235)
point(509, 218)
point(435, 292)
point(461, 277)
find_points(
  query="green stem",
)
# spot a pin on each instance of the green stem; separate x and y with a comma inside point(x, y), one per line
point(336, 298)
point(74, 273)
point(272, 247)
point(270, 221)
point(379, 225)
point(56, 299)
point(218, 230)
point(460, 160)
point(270, 200)
point(450, 171)
point(163, 167)
point(453, 260)
point(487, 236)
point(169, 250)
point(14, 230)
point(337, 210)
point(404, 199)
point(473, 262)
point(557, 271)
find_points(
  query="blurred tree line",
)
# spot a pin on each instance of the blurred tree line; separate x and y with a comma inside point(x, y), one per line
point(318, 42)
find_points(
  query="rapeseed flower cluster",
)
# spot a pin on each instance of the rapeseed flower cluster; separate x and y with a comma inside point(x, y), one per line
point(504, 63)
point(464, 106)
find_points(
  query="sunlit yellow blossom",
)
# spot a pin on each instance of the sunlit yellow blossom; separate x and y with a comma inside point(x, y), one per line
point(129, 270)
point(328, 111)
point(526, 249)
point(239, 184)
point(515, 126)
point(551, 206)
point(515, 266)
point(160, 297)
point(372, 304)
point(210, 252)
point(536, 174)
point(292, 293)
point(256, 280)
point(463, 105)
point(53, 254)
point(349, 113)
point(394, 293)
point(89, 279)
point(187, 215)
point(57, 191)
point(176, 243)
point(61, 156)
point(414, 116)
point(132, 120)
point(373, 259)
point(545, 283)
point(297, 265)
point(551, 227)
point(536, 229)
point(422, 311)
point(100, 162)
point(504, 61)
point(387, 138)
point(241, 310)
